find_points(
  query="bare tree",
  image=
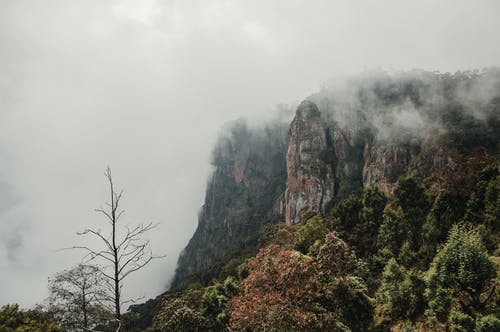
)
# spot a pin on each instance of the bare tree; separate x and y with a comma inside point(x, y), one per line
point(123, 251)
point(77, 296)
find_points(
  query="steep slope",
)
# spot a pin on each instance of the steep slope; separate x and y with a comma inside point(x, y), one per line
point(310, 173)
point(366, 131)
point(245, 192)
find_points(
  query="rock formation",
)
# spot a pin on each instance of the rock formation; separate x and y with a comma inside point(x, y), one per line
point(310, 173)
point(333, 148)
point(243, 194)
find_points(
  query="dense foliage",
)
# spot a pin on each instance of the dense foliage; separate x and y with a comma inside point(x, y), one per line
point(418, 250)
point(280, 292)
point(14, 319)
point(421, 257)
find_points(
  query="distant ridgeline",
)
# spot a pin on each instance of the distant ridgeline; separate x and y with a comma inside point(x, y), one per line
point(343, 139)
point(387, 165)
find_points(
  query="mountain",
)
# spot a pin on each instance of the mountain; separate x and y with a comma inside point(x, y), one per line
point(350, 135)
point(244, 193)
point(373, 206)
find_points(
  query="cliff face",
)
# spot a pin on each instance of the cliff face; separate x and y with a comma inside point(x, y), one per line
point(336, 145)
point(384, 163)
point(324, 162)
point(310, 164)
point(244, 193)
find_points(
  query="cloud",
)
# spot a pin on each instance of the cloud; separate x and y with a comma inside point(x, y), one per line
point(146, 86)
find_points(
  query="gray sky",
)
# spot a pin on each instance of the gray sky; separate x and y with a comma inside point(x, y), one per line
point(145, 86)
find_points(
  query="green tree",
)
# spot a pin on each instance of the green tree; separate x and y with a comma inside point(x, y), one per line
point(347, 212)
point(474, 211)
point(488, 323)
point(406, 256)
point(180, 312)
point(443, 214)
point(411, 196)
point(14, 319)
point(463, 269)
point(345, 291)
point(400, 295)
point(492, 213)
point(347, 297)
point(483, 207)
point(311, 235)
point(215, 298)
point(373, 202)
point(460, 322)
point(394, 229)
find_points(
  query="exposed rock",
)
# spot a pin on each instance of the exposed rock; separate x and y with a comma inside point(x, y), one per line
point(384, 163)
point(434, 155)
point(348, 147)
point(366, 134)
point(237, 168)
point(244, 193)
point(310, 184)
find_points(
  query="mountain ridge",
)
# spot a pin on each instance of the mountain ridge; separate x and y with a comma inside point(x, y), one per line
point(338, 143)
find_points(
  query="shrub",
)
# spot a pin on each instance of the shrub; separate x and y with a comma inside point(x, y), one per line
point(460, 322)
point(488, 323)
point(311, 235)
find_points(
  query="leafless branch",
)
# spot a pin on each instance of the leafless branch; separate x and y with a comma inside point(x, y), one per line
point(124, 254)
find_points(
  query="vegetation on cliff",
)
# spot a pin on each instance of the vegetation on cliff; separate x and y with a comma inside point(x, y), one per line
point(306, 277)
point(402, 171)
point(382, 214)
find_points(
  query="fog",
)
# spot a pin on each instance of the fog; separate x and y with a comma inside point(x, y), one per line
point(145, 86)
point(410, 106)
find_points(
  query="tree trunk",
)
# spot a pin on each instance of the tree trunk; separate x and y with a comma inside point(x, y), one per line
point(114, 206)
point(84, 308)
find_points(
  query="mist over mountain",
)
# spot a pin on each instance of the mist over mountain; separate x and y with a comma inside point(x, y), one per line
point(367, 130)
point(393, 167)
point(342, 208)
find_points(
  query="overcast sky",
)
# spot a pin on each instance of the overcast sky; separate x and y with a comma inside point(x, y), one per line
point(145, 86)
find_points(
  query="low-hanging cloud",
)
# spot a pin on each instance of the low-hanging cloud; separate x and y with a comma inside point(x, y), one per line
point(145, 86)
point(407, 107)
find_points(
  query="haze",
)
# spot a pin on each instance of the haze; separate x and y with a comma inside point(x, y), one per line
point(145, 86)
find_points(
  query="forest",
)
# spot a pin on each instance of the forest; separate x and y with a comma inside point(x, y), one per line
point(416, 250)
point(423, 258)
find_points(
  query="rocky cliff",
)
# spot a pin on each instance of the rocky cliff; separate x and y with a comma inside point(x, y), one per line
point(367, 132)
point(245, 192)
point(310, 164)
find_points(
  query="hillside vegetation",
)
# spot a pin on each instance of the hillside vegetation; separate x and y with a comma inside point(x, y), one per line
point(374, 208)
point(424, 257)
point(378, 212)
